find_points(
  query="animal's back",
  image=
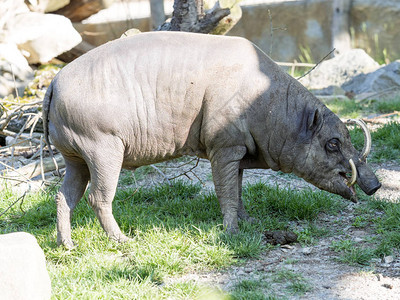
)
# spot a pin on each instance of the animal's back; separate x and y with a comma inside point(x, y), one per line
point(148, 89)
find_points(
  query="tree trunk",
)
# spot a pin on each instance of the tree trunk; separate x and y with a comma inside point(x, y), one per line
point(188, 16)
point(157, 13)
point(341, 26)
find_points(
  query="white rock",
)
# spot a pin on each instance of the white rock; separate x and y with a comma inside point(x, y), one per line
point(388, 259)
point(306, 250)
point(23, 273)
point(8, 9)
point(13, 62)
point(44, 36)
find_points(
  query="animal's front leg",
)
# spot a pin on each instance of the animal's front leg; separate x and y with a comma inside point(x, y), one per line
point(225, 170)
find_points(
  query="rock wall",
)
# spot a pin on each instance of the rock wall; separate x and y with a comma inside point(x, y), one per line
point(374, 27)
point(301, 28)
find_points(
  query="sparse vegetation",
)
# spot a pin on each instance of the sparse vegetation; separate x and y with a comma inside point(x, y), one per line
point(294, 282)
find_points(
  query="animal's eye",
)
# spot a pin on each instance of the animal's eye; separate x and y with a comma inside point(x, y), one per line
point(333, 145)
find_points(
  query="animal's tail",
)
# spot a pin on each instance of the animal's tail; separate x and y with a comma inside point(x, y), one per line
point(45, 116)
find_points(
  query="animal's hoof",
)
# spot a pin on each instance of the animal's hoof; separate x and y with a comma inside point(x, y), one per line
point(67, 244)
point(120, 238)
point(124, 239)
point(250, 220)
point(232, 230)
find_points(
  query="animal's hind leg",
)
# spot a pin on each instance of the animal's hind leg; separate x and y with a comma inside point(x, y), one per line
point(105, 167)
point(71, 191)
point(242, 213)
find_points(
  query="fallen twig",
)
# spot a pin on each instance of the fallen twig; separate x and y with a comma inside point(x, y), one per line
point(24, 174)
point(309, 71)
point(161, 173)
point(189, 171)
point(16, 201)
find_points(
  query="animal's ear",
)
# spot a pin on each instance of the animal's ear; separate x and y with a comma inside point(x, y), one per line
point(314, 120)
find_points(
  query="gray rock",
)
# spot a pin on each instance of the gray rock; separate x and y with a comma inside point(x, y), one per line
point(23, 273)
point(338, 70)
point(384, 78)
point(307, 250)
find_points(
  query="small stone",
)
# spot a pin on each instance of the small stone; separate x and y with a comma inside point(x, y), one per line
point(260, 268)
point(388, 259)
point(358, 240)
point(306, 250)
point(287, 246)
point(375, 260)
point(387, 285)
point(326, 287)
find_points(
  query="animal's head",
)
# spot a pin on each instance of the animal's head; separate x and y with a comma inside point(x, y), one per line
point(329, 160)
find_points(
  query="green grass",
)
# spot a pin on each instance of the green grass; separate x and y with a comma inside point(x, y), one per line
point(346, 108)
point(295, 282)
point(353, 109)
point(284, 204)
point(386, 230)
point(311, 233)
point(175, 229)
point(251, 289)
point(385, 141)
point(352, 254)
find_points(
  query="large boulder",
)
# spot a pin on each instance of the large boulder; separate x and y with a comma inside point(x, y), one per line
point(23, 273)
point(338, 70)
point(13, 65)
point(42, 36)
point(385, 79)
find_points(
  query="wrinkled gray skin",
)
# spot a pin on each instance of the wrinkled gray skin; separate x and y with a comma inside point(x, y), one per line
point(160, 95)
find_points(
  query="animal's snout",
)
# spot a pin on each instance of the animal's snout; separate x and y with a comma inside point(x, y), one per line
point(373, 189)
point(368, 182)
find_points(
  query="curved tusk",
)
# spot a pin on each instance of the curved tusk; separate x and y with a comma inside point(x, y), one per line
point(353, 179)
point(367, 137)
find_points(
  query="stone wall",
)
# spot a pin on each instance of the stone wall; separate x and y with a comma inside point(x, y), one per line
point(301, 28)
point(374, 27)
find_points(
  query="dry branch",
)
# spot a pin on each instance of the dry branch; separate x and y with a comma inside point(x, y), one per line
point(34, 169)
